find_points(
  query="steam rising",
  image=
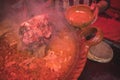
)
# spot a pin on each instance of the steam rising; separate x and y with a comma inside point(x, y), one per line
point(18, 11)
point(21, 10)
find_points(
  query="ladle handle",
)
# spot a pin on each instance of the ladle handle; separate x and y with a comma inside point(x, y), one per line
point(92, 35)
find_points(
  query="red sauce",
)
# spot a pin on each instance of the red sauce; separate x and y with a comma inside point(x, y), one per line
point(79, 17)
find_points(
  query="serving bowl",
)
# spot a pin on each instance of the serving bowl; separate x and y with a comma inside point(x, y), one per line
point(64, 59)
point(79, 15)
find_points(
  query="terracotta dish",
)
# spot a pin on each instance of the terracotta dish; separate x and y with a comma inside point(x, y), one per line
point(79, 15)
point(54, 54)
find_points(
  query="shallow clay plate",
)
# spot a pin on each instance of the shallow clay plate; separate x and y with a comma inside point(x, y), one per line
point(101, 52)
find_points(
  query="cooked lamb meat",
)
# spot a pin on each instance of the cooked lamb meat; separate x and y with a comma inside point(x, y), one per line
point(35, 31)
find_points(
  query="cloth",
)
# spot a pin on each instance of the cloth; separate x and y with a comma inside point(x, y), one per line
point(110, 28)
point(115, 4)
point(111, 25)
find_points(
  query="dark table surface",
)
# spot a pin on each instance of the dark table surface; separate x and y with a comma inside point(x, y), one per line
point(103, 71)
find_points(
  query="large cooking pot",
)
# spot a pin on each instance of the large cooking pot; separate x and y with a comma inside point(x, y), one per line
point(80, 15)
point(64, 59)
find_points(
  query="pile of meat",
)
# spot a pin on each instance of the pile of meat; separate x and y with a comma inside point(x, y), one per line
point(35, 32)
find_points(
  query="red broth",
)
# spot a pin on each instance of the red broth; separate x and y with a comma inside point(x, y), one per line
point(80, 17)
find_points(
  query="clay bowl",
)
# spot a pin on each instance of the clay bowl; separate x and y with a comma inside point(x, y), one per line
point(79, 15)
point(65, 57)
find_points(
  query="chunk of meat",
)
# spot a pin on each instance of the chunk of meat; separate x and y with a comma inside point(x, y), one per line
point(35, 31)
